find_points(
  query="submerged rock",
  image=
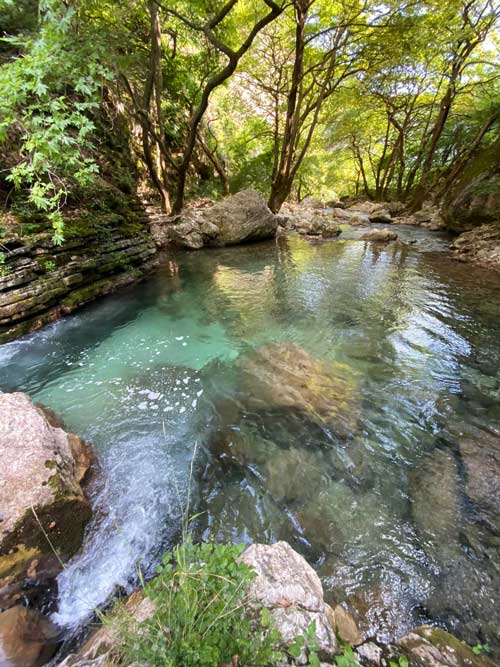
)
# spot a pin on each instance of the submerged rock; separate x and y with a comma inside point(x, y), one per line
point(481, 457)
point(43, 506)
point(434, 492)
point(380, 235)
point(293, 474)
point(288, 586)
point(283, 375)
point(27, 638)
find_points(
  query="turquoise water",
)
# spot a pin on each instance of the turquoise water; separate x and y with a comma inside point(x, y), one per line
point(156, 373)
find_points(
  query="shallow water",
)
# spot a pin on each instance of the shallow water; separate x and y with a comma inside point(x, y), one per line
point(153, 373)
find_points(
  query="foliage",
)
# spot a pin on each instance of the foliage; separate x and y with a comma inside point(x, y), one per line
point(402, 661)
point(199, 618)
point(347, 658)
point(481, 649)
point(306, 646)
point(48, 95)
point(324, 98)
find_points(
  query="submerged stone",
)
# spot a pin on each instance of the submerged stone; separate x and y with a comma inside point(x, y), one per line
point(481, 457)
point(284, 375)
point(435, 502)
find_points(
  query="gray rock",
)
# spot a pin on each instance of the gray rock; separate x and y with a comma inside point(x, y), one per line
point(40, 495)
point(241, 218)
point(312, 202)
point(380, 236)
point(480, 245)
point(381, 216)
point(291, 590)
point(432, 647)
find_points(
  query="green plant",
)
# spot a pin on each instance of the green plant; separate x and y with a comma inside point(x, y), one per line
point(51, 92)
point(306, 644)
point(199, 618)
point(481, 649)
point(347, 658)
point(49, 265)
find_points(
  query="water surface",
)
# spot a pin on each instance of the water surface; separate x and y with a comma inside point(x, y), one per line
point(154, 372)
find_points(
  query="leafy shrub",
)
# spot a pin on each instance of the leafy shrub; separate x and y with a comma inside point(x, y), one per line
point(200, 619)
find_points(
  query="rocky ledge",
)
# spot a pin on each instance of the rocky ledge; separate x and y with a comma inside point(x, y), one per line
point(43, 506)
point(43, 513)
point(480, 245)
point(39, 282)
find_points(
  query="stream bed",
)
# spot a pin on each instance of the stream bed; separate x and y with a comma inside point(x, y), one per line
point(340, 395)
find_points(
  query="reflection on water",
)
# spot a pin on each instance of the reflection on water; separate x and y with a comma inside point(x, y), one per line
point(345, 397)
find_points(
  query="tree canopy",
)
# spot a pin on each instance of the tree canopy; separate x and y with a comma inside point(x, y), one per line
point(293, 97)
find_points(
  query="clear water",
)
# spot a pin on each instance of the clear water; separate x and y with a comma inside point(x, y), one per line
point(153, 373)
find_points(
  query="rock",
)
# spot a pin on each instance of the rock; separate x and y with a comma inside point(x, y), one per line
point(100, 649)
point(432, 647)
point(380, 235)
point(240, 218)
point(480, 245)
point(312, 202)
point(291, 590)
point(434, 492)
point(27, 638)
point(310, 221)
point(381, 216)
point(283, 375)
point(370, 654)
point(40, 490)
point(351, 216)
point(481, 457)
point(317, 225)
point(475, 202)
point(292, 474)
point(85, 267)
point(429, 216)
point(345, 626)
point(187, 234)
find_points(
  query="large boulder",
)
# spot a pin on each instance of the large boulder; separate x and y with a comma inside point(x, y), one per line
point(285, 376)
point(42, 504)
point(240, 218)
point(290, 589)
